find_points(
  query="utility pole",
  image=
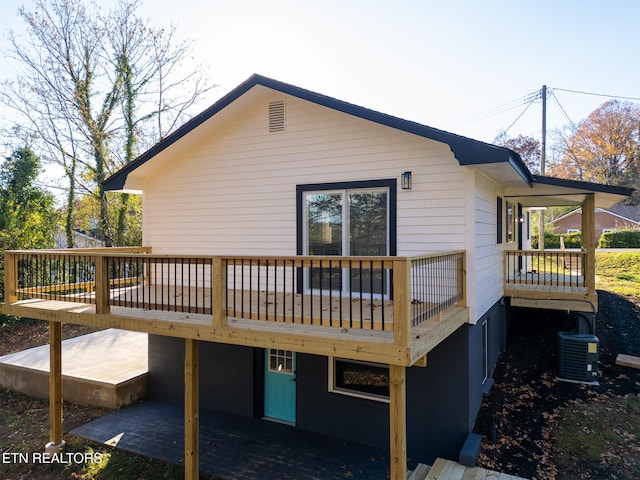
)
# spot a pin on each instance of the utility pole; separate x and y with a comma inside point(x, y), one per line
point(543, 152)
point(543, 155)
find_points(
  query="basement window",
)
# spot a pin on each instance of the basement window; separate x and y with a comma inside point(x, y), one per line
point(276, 116)
point(359, 379)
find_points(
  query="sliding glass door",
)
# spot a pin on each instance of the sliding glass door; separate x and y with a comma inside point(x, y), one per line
point(347, 223)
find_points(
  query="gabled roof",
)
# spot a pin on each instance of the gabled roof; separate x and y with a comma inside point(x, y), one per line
point(467, 151)
point(529, 189)
point(629, 213)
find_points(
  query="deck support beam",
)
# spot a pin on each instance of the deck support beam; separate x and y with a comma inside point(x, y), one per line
point(191, 410)
point(589, 241)
point(56, 443)
point(398, 421)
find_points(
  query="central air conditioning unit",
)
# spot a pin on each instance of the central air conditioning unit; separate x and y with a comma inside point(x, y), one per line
point(578, 357)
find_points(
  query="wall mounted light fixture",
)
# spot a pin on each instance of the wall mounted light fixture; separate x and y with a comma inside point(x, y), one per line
point(405, 181)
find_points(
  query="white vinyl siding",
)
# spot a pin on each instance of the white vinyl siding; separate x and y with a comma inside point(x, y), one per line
point(489, 267)
point(234, 192)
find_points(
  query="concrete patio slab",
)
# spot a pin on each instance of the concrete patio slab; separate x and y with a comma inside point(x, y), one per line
point(105, 369)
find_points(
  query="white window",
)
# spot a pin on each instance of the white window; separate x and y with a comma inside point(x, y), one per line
point(359, 379)
point(573, 230)
point(281, 361)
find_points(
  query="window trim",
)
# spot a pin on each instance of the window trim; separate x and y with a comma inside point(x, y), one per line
point(499, 220)
point(390, 184)
point(485, 350)
point(511, 222)
point(353, 393)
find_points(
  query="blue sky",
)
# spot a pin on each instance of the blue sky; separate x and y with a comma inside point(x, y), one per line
point(437, 62)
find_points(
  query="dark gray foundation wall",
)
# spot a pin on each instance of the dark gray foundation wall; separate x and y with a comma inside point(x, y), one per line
point(443, 398)
point(228, 379)
point(484, 357)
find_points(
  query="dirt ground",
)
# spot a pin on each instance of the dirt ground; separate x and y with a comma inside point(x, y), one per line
point(520, 416)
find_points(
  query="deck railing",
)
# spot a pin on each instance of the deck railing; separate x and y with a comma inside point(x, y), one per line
point(363, 293)
point(549, 268)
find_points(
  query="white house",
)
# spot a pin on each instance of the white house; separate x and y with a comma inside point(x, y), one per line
point(371, 259)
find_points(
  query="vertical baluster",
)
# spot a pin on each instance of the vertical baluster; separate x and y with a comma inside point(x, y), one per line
point(293, 291)
point(259, 265)
point(371, 293)
point(235, 285)
point(340, 294)
point(360, 294)
point(303, 288)
point(382, 292)
point(250, 293)
point(331, 267)
point(320, 296)
point(284, 290)
point(275, 290)
point(311, 292)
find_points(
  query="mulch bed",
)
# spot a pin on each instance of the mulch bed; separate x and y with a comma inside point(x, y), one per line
point(520, 414)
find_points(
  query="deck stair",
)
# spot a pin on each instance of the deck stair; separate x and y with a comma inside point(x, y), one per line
point(449, 470)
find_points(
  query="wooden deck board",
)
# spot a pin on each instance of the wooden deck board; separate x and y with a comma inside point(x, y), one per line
point(311, 309)
point(628, 361)
point(443, 469)
point(350, 340)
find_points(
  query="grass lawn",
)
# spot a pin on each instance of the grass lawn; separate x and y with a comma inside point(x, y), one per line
point(618, 272)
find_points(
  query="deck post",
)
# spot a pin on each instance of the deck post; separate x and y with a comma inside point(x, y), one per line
point(589, 241)
point(462, 279)
point(401, 301)
point(218, 292)
point(56, 444)
point(191, 411)
point(10, 278)
point(398, 421)
point(102, 285)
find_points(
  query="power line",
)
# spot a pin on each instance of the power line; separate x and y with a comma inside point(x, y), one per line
point(564, 112)
point(522, 113)
point(596, 94)
point(513, 104)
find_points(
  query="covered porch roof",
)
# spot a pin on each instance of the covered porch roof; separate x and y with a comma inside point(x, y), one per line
point(554, 192)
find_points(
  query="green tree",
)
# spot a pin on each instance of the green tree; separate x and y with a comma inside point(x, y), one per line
point(27, 212)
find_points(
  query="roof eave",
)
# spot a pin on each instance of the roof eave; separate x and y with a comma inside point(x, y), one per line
point(466, 151)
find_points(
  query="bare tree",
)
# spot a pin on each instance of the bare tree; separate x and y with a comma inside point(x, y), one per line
point(94, 89)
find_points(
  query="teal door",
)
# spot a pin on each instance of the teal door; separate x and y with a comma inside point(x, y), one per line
point(280, 385)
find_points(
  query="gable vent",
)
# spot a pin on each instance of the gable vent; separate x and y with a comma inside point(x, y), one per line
point(276, 116)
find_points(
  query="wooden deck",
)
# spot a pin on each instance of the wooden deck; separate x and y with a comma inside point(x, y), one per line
point(552, 296)
point(330, 309)
point(448, 470)
point(356, 343)
point(551, 279)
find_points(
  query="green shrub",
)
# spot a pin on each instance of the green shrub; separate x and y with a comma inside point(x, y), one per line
point(552, 240)
point(620, 239)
